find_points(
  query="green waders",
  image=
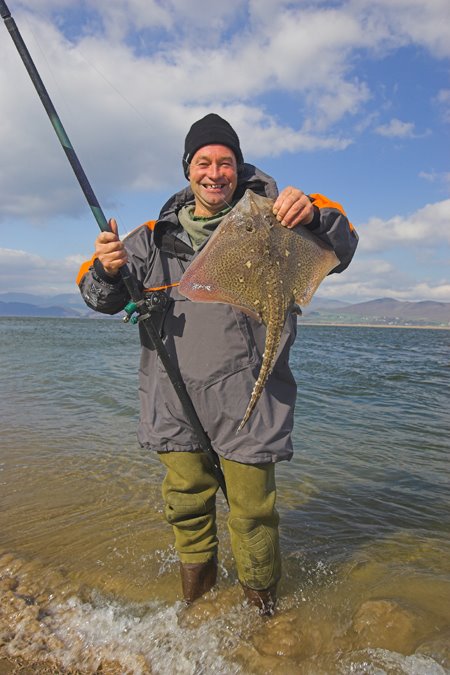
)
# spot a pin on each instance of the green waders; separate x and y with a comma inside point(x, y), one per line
point(189, 491)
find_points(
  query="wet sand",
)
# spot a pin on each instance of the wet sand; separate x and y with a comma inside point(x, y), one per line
point(305, 322)
point(388, 605)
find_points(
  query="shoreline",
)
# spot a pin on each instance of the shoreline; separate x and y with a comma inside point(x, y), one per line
point(371, 325)
point(301, 321)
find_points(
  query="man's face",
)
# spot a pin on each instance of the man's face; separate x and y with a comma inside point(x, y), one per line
point(213, 179)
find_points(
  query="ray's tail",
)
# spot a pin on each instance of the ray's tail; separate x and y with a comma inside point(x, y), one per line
point(275, 324)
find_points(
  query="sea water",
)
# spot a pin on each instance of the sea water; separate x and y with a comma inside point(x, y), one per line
point(88, 574)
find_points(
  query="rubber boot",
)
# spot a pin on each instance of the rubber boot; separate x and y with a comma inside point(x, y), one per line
point(264, 600)
point(197, 579)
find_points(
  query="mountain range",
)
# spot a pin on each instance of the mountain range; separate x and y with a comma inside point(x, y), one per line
point(383, 311)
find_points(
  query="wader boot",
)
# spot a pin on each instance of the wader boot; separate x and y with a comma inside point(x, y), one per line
point(253, 526)
point(197, 579)
point(265, 600)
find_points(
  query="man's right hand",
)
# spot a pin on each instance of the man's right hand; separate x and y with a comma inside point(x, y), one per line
point(110, 250)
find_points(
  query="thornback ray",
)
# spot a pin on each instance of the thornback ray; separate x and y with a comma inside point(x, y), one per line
point(264, 269)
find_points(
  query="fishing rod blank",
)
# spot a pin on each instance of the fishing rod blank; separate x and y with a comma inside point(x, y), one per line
point(128, 278)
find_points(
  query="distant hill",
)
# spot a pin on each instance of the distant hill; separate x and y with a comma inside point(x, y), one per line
point(27, 309)
point(326, 304)
point(383, 311)
point(66, 305)
point(72, 300)
point(394, 309)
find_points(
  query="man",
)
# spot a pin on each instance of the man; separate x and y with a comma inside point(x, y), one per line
point(218, 351)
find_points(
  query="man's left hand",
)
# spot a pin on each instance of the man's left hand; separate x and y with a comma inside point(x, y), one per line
point(292, 207)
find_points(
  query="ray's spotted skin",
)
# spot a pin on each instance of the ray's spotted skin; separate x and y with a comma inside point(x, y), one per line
point(261, 267)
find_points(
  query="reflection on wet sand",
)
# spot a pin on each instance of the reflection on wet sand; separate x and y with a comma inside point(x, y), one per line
point(378, 605)
point(95, 588)
point(360, 600)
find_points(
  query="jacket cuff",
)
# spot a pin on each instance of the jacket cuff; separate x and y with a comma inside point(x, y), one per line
point(315, 221)
point(104, 276)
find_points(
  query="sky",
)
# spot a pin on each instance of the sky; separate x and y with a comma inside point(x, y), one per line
point(350, 99)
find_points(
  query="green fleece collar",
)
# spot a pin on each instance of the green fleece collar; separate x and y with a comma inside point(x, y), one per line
point(199, 228)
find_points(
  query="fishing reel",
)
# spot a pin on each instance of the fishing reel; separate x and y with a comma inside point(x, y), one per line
point(153, 303)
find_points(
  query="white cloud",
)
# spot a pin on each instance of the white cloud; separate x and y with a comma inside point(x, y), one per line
point(424, 23)
point(121, 150)
point(42, 6)
point(395, 23)
point(439, 293)
point(263, 136)
point(120, 17)
point(134, 74)
point(436, 177)
point(406, 258)
point(370, 289)
point(426, 227)
point(395, 258)
point(444, 96)
point(127, 103)
point(28, 273)
point(396, 129)
point(368, 278)
point(443, 100)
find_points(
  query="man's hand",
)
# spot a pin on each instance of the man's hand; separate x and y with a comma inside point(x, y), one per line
point(110, 250)
point(292, 207)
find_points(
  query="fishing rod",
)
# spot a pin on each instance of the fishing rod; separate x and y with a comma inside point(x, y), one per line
point(138, 301)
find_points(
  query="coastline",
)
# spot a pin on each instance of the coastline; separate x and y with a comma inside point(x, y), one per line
point(370, 325)
point(301, 321)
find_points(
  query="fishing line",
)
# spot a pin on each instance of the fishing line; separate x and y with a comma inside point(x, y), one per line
point(125, 228)
point(138, 302)
point(68, 108)
point(49, 68)
point(113, 87)
point(77, 50)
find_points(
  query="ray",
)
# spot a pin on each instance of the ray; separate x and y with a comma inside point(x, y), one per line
point(261, 267)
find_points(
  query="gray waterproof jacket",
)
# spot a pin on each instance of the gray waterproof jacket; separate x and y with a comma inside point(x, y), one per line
point(217, 348)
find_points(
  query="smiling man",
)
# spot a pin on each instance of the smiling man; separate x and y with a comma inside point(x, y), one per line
point(218, 351)
point(213, 179)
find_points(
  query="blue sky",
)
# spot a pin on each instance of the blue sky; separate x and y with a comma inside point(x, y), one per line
point(351, 99)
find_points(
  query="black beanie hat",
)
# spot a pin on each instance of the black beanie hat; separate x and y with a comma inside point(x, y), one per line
point(210, 130)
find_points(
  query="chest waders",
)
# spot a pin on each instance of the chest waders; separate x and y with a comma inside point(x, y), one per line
point(140, 309)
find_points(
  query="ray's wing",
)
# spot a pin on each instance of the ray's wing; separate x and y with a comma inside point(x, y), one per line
point(306, 261)
point(199, 286)
point(228, 269)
